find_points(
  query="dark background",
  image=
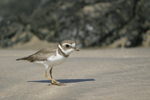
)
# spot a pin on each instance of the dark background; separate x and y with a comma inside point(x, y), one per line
point(102, 23)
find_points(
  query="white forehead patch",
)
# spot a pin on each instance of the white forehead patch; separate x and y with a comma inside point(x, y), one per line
point(73, 44)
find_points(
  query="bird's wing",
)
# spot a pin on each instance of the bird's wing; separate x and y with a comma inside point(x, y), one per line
point(41, 55)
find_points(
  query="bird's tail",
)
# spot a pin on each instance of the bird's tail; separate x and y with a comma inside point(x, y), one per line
point(24, 58)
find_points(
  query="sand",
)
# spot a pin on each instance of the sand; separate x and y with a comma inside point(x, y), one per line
point(93, 74)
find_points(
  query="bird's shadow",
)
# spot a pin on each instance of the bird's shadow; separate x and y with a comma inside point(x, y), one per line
point(65, 80)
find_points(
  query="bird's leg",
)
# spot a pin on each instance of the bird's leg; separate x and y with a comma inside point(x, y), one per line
point(54, 82)
point(50, 71)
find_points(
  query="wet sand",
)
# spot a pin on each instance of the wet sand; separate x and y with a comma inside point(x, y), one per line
point(100, 74)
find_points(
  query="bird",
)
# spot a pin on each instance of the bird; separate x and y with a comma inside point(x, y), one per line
point(52, 56)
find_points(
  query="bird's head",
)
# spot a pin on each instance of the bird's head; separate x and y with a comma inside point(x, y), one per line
point(68, 47)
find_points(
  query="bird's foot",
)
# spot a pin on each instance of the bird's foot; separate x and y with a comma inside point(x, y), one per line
point(54, 82)
point(57, 83)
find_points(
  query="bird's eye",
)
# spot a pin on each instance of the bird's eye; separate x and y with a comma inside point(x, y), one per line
point(67, 46)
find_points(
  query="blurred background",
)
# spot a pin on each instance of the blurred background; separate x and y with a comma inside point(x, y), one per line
point(90, 23)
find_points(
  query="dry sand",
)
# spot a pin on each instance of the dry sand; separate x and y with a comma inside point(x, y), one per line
point(101, 74)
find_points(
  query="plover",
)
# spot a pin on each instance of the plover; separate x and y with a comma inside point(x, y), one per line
point(52, 56)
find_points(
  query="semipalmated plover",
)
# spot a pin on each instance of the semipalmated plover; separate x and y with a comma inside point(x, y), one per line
point(52, 56)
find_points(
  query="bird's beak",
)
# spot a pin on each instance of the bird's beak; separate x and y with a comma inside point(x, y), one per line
point(75, 49)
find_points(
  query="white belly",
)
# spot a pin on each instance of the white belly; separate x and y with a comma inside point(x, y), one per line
point(55, 60)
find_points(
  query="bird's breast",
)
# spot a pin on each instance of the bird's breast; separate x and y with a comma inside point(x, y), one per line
point(55, 60)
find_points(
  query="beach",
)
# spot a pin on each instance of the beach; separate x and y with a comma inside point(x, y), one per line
point(90, 74)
